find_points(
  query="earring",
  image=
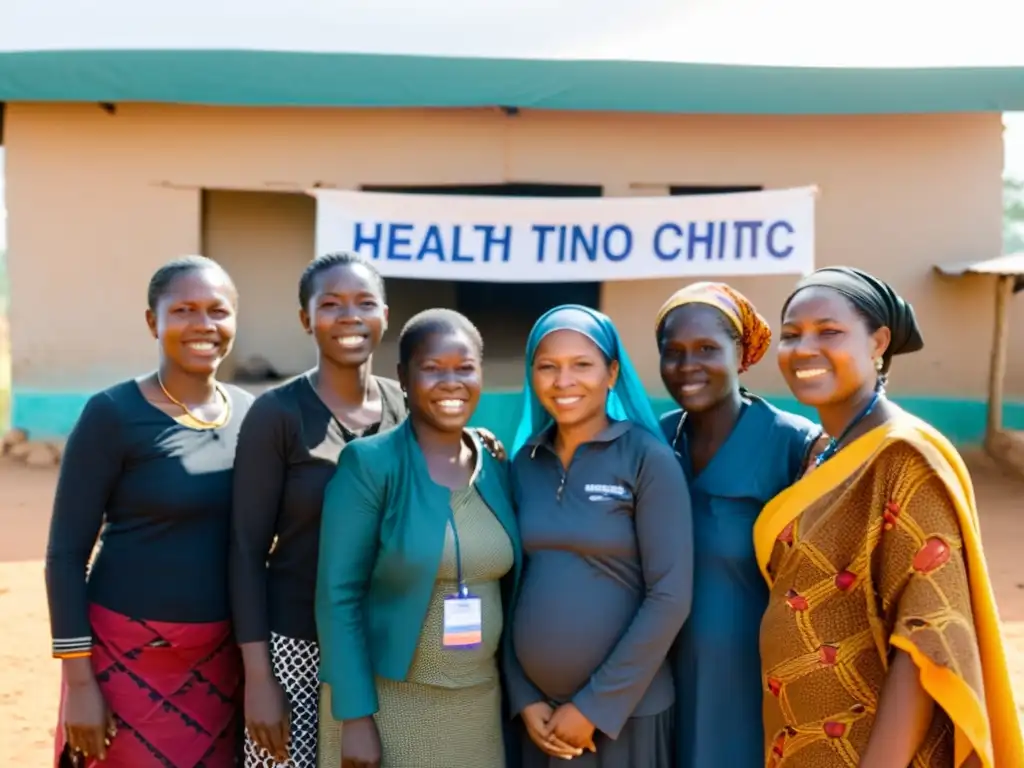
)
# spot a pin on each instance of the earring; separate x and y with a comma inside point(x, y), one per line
point(879, 364)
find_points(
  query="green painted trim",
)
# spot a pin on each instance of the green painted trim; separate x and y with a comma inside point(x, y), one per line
point(49, 414)
point(265, 78)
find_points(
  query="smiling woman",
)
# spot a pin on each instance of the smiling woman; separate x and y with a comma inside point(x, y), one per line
point(148, 470)
point(418, 523)
point(196, 329)
point(737, 452)
point(440, 353)
point(598, 492)
point(874, 562)
point(287, 452)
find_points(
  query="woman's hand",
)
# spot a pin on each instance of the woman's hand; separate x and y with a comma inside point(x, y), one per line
point(537, 718)
point(88, 724)
point(492, 444)
point(904, 714)
point(571, 726)
point(360, 744)
point(267, 717)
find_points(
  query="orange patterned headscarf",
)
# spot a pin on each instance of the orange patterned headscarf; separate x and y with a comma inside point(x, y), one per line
point(755, 333)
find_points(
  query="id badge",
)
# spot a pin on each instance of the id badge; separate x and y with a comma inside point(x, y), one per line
point(463, 622)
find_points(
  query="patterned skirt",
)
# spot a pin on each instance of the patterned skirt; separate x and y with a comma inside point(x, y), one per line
point(173, 689)
point(296, 665)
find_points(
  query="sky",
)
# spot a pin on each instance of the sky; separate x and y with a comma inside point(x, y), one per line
point(1013, 163)
point(789, 33)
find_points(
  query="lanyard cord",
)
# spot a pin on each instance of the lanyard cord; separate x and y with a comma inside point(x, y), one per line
point(833, 444)
point(463, 589)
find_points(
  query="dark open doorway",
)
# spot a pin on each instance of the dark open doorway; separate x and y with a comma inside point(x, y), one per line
point(711, 189)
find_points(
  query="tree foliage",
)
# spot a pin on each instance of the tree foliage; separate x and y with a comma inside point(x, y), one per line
point(1013, 215)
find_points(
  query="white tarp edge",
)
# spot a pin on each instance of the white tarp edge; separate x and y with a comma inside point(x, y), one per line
point(540, 240)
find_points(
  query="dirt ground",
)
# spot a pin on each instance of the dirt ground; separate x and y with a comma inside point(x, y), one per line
point(28, 694)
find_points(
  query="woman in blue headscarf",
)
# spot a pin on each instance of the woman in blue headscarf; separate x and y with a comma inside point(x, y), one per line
point(604, 516)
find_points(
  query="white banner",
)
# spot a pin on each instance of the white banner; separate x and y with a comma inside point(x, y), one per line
point(541, 240)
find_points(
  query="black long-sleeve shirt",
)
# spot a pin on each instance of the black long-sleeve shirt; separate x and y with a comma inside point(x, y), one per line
point(287, 451)
point(158, 495)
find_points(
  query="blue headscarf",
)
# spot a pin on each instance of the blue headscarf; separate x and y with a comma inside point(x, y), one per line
point(627, 401)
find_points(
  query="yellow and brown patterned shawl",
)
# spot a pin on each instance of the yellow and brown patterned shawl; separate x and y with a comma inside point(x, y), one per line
point(879, 548)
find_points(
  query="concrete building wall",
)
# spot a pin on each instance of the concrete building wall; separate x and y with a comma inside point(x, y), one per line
point(96, 201)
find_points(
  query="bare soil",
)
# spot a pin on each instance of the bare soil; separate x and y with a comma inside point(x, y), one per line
point(29, 688)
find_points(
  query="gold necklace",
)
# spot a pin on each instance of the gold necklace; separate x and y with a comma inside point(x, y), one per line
point(188, 411)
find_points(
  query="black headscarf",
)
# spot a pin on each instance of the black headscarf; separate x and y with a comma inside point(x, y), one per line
point(874, 298)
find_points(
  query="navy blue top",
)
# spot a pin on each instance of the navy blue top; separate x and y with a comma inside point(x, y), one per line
point(158, 496)
point(716, 659)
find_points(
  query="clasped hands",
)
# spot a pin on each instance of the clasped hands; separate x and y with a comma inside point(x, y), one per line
point(563, 732)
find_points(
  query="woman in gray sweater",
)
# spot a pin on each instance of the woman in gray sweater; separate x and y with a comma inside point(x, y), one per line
point(604, 518)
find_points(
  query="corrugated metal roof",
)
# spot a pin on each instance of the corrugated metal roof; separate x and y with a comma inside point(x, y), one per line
point(1011, 265)
point(664, 56)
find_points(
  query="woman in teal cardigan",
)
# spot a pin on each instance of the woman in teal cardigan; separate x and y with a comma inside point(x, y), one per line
point(419, 554)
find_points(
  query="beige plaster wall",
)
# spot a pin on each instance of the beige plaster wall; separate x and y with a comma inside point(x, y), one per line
point(97, 201)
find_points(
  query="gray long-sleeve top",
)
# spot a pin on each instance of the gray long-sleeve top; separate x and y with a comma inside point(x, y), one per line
point(608, 578)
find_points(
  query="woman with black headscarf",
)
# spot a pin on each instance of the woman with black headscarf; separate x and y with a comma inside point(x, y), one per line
point(881, 644)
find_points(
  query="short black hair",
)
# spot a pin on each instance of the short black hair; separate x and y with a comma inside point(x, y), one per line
point(431, 321)
point(307, 283)
point(162, 279)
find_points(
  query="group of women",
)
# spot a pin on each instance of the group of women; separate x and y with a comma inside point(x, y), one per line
point(730, 585)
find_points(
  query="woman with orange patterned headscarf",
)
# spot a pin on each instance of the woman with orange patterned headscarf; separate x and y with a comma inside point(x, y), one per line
point(738, 452)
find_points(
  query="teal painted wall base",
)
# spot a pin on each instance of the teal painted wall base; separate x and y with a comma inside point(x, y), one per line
point(46, 415)
point(51, 415)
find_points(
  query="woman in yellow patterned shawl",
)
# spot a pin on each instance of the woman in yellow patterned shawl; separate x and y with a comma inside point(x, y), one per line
point(881, 643)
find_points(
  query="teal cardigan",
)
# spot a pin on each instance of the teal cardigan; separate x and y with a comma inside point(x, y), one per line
point(382, 537)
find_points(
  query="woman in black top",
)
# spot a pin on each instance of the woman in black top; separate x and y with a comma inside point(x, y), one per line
point(288, 450)
point(148, 469)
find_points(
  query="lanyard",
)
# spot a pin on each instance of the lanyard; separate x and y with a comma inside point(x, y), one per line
point(463, 589)
point(833, 444)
